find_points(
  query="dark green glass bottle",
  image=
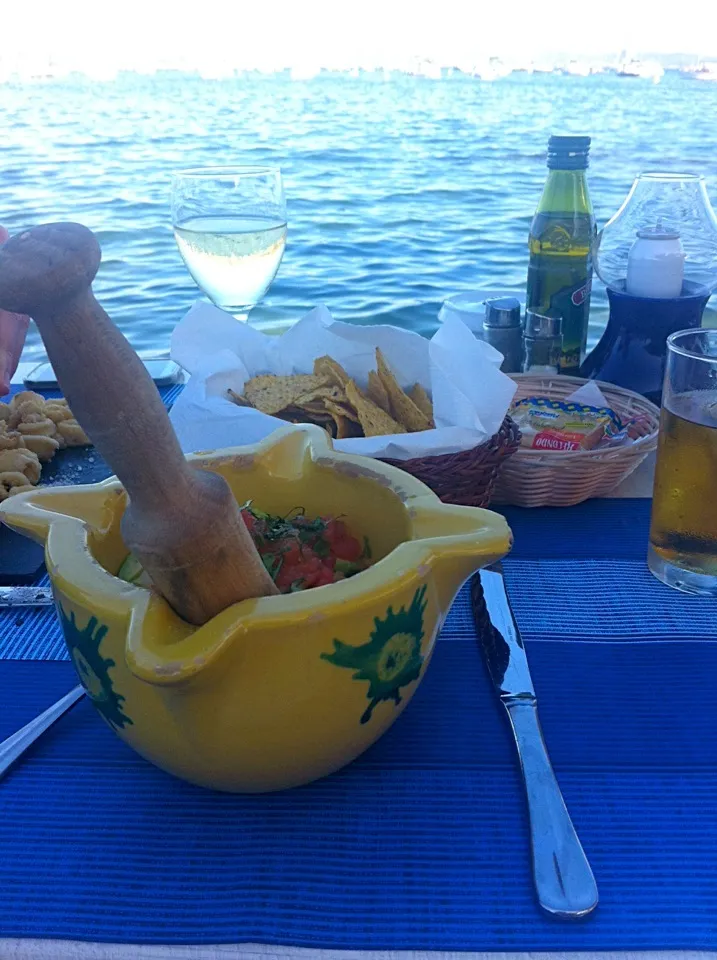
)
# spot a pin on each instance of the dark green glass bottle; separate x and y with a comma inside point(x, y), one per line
point(561, 235)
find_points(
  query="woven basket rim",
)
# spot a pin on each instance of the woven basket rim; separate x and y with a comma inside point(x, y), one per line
point(640, 447)
point(493, 446)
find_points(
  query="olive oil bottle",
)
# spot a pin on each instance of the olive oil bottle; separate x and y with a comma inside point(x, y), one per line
point(561, 235)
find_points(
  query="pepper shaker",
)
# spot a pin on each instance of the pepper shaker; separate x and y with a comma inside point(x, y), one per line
point(502, 330)
point(542, 343)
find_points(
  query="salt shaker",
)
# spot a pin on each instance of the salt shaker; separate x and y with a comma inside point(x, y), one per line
point(502, 330)
point(542, 343)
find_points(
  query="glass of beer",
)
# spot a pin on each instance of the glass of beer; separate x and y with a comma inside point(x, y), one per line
point(683, 532)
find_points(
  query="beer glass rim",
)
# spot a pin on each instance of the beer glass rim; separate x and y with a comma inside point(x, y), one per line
point(674, 345)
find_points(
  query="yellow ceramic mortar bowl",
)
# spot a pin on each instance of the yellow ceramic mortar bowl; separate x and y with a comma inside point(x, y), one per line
point(277, 691)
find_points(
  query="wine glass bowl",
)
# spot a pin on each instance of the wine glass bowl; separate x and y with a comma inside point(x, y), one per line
point(230, 228)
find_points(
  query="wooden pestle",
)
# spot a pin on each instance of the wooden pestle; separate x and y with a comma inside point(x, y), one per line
point(182, 524)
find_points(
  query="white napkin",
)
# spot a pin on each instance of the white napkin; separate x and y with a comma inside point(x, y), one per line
point(470, 394)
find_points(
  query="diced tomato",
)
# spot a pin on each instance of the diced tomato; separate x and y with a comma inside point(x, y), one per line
point(302, 552)
point(288, 574)
point(335, 530)
point(348, 548)
point(292, 554)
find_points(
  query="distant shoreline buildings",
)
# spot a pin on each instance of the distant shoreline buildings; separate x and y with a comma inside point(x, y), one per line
point(487, 69)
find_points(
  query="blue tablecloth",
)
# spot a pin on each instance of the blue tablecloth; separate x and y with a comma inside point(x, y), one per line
point(422, 842)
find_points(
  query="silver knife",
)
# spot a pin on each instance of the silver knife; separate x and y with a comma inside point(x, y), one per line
point(15, 746)
point(563, 879)
point(25, 597)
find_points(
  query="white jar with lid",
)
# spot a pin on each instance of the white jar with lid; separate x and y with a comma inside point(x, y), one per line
point(468, 307)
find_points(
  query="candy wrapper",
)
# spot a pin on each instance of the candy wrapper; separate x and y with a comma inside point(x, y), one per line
point(458, 373)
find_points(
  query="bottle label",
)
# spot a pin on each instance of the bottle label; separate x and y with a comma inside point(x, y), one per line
point(560, 277)
point(563, 290)
point(581, 295)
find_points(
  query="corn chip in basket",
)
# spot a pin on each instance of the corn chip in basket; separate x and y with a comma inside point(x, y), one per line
point(331, 399)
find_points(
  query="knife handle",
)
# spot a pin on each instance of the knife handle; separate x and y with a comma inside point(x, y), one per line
point(563, 879)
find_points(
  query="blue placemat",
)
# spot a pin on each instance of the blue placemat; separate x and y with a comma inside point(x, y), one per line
point(419, 844)
point(567, 592)
point(422, 842)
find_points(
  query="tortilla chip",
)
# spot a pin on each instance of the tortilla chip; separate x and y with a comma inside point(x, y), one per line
point(343, 425)
point(377, 392)
point(311, 406)
point(302, 415)
point(270, 393)
point(331, 392)
point(353, 430)
point(237, 398)
point(342, 409)
point(331, 370)
point(422, 401)
point(402, 407)
point(375, 421)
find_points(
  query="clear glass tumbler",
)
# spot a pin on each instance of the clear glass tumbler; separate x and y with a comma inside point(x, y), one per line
point(683, 532)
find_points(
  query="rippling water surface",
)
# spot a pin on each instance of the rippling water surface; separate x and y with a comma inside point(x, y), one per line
point(399, 192)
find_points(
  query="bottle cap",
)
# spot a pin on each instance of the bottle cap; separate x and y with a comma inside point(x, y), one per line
point(568, 153)
point(502, 312)
point(539, 327)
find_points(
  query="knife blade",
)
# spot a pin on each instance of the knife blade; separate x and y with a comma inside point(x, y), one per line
point(564, 882)
point(25, 597)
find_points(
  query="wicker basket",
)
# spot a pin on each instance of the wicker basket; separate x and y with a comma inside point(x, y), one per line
point(468, 477)
point(540, 478)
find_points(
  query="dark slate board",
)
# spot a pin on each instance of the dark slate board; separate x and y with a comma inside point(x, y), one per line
point(22, 560)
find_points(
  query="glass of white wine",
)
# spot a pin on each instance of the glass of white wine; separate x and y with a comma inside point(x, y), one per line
point(230, 227)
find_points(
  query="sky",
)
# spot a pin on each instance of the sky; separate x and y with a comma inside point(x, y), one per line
point(337, 33)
